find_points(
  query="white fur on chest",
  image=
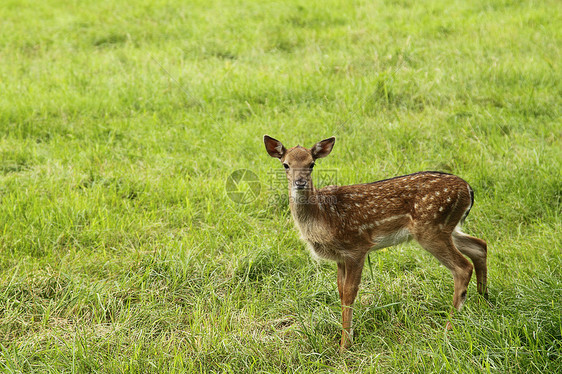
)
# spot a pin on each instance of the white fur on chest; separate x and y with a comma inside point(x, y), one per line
point(313, 231)
point(319, 238)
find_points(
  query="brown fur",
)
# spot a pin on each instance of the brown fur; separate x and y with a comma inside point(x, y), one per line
point(344, 223)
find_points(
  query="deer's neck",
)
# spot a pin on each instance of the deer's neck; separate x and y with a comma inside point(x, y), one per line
point(309, 215)
point(304, 204)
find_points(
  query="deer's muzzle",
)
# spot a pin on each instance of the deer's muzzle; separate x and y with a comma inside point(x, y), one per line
point(300, 184)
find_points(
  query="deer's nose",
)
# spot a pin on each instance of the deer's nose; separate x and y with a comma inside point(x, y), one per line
point(300, 184)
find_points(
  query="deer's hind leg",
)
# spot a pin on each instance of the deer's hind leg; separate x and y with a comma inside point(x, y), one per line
point(477, 250)
point(442, 247)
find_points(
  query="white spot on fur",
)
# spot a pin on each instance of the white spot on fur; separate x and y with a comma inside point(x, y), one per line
point(364, 227)
point(392, 218)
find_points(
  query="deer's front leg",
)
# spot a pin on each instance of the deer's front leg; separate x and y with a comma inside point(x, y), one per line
point(341, 278)
point(352, 270)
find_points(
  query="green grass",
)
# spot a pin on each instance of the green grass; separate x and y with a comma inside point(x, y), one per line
point(120, 122)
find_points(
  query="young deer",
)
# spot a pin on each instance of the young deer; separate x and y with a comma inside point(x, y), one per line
point(344, 223)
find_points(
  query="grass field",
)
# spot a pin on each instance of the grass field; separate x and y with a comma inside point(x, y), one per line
point(121, 121)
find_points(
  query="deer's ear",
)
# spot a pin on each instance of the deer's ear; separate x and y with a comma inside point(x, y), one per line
point(274, 147)
point(323, 148)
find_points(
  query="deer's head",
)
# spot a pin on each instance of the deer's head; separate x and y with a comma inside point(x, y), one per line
point(298, 161)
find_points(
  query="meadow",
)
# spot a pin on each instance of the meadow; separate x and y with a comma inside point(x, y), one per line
point(122, 249)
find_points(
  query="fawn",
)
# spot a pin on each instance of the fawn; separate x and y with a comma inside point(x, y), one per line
point(344, 223)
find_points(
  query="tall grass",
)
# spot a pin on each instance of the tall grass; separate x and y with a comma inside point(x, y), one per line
point(121, 121)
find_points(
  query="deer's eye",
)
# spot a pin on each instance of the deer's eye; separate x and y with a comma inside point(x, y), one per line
point(285, 166)
point(312, 165)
